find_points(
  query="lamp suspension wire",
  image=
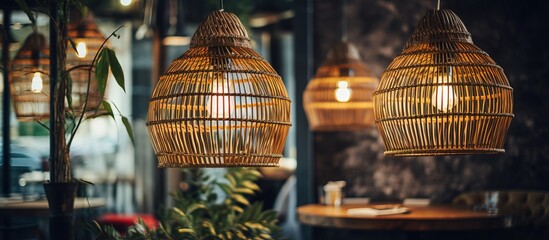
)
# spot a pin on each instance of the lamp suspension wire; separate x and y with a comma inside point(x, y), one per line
point(221, 5)
point(438, 4)
point(344, 21)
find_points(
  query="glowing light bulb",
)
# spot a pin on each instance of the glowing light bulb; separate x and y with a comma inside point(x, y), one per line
point(125, 2)
point(221, 105)
point(36, 85)
point(343, 92)
point(444, 97)
point(81, 49)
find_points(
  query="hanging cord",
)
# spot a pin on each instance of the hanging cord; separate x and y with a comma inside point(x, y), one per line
point(438, 5)
point(344, 21)
point(221, 6)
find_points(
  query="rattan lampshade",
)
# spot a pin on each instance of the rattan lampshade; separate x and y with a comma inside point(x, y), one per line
point(88, 40)
point(29, 79)
point(443, 95)
point(220, 104)
point(339, 97)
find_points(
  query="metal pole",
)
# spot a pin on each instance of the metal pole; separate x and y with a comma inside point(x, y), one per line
point(6, 141)
point(304, 64)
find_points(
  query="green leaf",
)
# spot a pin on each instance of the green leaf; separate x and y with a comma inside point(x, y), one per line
point(210, 226)
point(102, 71)
point(265, 236)
point(185, 230)
point(231, 179)
point(179, 212)
point(116, 69)
point(250, 185)
point(84, 181)
point(257, 226)
point(226, 188)
point(107, 107)
point(237, 209)
point(128, 127)
point(241, 227)
point(269, 215)
point(241, 199)
point(254, 172)
point(244, 191)
point(194, 207)
point(23, 5)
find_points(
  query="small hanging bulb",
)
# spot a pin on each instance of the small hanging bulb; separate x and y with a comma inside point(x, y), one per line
point(37, 85)
point(126, 3)
point(444, 98)
point(81, 49)
point(343, 92)
point(219, 104)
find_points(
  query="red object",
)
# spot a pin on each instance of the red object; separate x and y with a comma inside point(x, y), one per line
point(121, 222)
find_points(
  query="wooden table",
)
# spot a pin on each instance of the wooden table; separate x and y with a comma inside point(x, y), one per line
point(429, 218)
point(41, 207)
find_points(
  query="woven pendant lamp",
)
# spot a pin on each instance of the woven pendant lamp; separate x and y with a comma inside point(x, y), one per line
point(220, 104)
point(88, 39)
point(443, 95)
point(29, 79)
point(339, 97)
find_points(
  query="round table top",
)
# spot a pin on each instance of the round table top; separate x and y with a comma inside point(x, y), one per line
point(424, 218)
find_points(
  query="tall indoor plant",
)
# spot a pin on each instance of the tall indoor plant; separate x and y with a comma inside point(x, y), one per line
point(64, 120)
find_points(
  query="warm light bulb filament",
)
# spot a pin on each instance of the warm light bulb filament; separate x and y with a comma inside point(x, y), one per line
point(444, 97)
point(221, 105)
point(81, 49)
point(36, 84)
point(125, 2)
point(343, 92)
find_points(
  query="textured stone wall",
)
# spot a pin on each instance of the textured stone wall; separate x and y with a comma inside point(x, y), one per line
point(514, 33)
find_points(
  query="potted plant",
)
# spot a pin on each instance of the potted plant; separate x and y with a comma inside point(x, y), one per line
point(209, 208)
point(61, 189)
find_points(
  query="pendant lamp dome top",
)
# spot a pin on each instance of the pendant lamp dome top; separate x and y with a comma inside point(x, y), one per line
point(440, 26)
point(343, 60)
point(221, 28)
point(443, 95)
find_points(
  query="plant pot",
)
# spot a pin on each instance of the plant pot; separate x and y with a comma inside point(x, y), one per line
point(61, 204)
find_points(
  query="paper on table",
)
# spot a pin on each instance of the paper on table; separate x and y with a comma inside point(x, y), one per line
point(377, 212)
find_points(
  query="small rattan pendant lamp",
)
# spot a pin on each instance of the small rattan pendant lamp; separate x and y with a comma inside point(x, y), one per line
point(339, 97)
point(88, 39)
point(29, 79)
point(443, 95)
point(220, 104)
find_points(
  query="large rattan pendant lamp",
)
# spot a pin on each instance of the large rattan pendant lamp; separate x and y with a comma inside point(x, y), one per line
point(220, 104)
point(87, 39)
point(29, 79)
point(443, 95)
point(339, 97)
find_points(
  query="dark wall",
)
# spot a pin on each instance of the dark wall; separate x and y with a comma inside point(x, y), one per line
point(514, 33)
